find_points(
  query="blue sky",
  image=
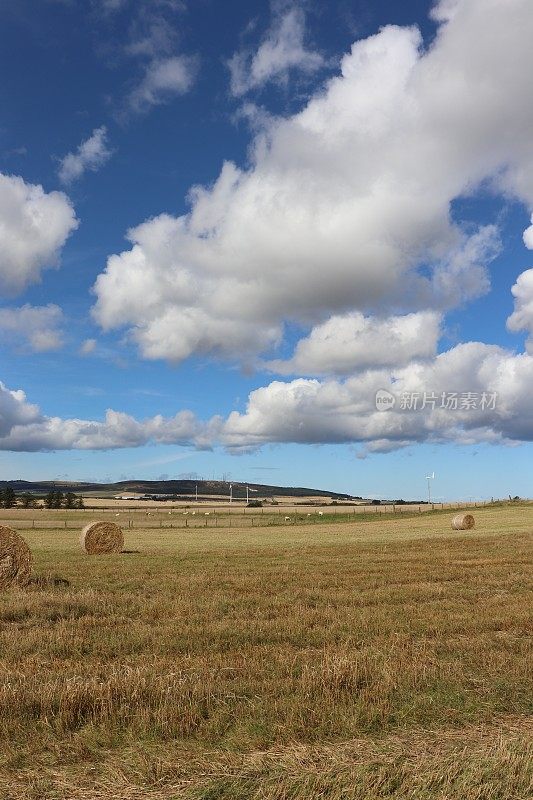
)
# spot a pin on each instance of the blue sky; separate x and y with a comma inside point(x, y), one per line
point(364, 188)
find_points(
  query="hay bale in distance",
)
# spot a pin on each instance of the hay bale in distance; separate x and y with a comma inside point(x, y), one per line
point(98, 538)
point(15, 559)
point(463, 522)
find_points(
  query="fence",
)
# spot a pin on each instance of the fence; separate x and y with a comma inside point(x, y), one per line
point(135, 518)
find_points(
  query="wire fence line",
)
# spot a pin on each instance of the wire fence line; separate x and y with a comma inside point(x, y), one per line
point(218, 518)
point(249, 511)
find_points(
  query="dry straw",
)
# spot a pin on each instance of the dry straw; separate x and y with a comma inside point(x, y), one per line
point(463, 522)
point(15, 559)
point(102, 537)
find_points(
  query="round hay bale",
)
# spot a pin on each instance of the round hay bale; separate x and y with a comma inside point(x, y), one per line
point(15, 559)
point(102, 537)
point(463, 522)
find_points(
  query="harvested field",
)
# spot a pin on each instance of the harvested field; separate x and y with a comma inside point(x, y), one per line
point(377, 658)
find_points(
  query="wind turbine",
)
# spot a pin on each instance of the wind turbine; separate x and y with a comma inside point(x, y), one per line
point(430, 478)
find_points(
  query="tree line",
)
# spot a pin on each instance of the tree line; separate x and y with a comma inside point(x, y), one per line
point(54, 499)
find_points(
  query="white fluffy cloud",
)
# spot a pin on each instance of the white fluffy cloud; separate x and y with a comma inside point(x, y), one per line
point(163, 79)
point(38, 327)
point(34, 226)
point(528, 236)
point(24, 428)
point(444, 10)
point(90, 155)
point(347, 205)
point(522, 317)
point(15, 411)
point(282, 50)
point(313, 412)
point(345, 344)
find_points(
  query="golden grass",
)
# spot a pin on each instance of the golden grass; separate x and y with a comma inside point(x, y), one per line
point(374, 659)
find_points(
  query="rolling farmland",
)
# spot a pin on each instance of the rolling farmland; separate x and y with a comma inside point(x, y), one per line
point(271, 662)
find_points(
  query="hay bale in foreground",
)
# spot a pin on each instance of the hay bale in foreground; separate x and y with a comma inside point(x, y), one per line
point(463, 522)
point(102, 537)
point(15, 559)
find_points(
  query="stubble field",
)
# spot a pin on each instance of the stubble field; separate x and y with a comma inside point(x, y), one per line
point(364, 659)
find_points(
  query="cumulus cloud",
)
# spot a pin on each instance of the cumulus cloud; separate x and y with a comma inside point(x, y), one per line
point(444, 10)
point(528, 236)
point(92, 154)
point(24, 428)
point(310, 411)
point(163, 79)
point(34, 226)
point(345, 344)
point(15, 411)
point(346, 206)
point(38, 327)
point(522, 317)
point(281, 51)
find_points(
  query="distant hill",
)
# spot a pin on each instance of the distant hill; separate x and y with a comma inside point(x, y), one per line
point(177, 487)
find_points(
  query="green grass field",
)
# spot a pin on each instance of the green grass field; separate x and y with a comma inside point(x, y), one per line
point(364, 659)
